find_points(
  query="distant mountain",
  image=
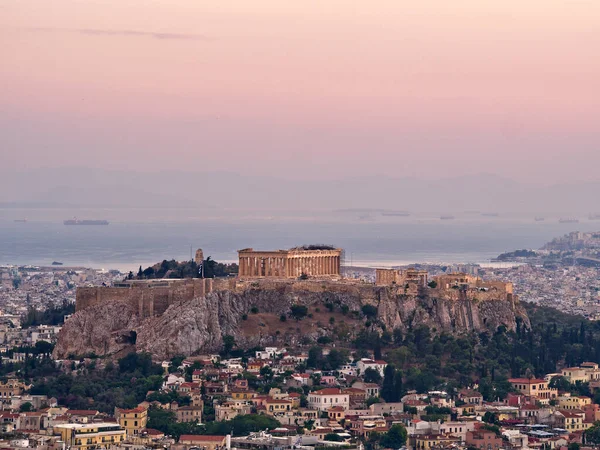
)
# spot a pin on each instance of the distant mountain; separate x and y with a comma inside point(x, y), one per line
point(115, 188)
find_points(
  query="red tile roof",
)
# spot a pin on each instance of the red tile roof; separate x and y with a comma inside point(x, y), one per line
point(139, 409)
point(328, 391)
point(153, 432)
point(201, 437)
point(526, 380)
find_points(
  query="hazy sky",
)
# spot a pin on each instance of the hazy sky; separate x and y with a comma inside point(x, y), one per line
point(425, 88)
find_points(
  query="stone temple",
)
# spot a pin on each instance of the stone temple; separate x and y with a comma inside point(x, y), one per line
point(312, 261)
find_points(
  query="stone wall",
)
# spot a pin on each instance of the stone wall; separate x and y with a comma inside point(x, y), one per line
point(150, 298)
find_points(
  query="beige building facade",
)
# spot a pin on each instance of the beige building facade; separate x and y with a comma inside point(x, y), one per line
point(293, 263)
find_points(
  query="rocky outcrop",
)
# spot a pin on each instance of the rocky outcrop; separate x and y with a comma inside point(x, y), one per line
point(198, 325)
point(105, 329)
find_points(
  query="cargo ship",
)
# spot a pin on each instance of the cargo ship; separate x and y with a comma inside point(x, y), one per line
point(568, 220)
point(76, 221)
point(395, 214)
point(447, 217)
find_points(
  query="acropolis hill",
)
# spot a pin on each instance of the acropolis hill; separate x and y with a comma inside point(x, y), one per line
point(169, 317)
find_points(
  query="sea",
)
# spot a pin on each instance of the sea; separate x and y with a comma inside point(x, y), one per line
point(143, 237)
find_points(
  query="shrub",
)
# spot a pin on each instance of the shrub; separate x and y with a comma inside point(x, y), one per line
point(323, 340)
point(283, 317)
point(244, 316)
point(369, 311)
point(299, 311)
point(254, 310)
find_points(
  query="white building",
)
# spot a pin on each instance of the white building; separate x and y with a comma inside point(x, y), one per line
point(328, 397)
point(366, 363)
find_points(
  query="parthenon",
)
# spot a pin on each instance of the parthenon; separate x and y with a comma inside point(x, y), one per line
point(310, 261)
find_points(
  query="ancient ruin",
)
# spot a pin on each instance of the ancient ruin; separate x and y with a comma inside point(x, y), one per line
point(384, 277)
point(312, 261)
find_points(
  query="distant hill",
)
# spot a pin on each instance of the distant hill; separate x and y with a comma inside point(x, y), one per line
point(115, 188)
point(511, 256)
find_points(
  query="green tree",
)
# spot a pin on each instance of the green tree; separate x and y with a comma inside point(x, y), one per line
point(490, 417)
point(228, 344)
point(398, 386)
point(395, 437)
point(592, 434)
point(242, 425)
point(176, 362)
point(43, 347)
point(333, 437)
point(26, 407)
point(315, 357)
point(372, 376)
point(337, 358)
point(372, 400)
point(388, 391)
point(561, 383)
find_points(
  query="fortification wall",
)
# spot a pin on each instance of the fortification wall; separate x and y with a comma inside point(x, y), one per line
point(149, 300)
point(153, 298)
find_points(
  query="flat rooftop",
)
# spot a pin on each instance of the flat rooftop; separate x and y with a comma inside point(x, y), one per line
point(80, 426)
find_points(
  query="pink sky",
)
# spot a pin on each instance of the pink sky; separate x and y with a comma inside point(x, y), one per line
point(415, 87)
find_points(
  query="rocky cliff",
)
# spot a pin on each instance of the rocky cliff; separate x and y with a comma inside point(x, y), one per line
point(251, 313)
